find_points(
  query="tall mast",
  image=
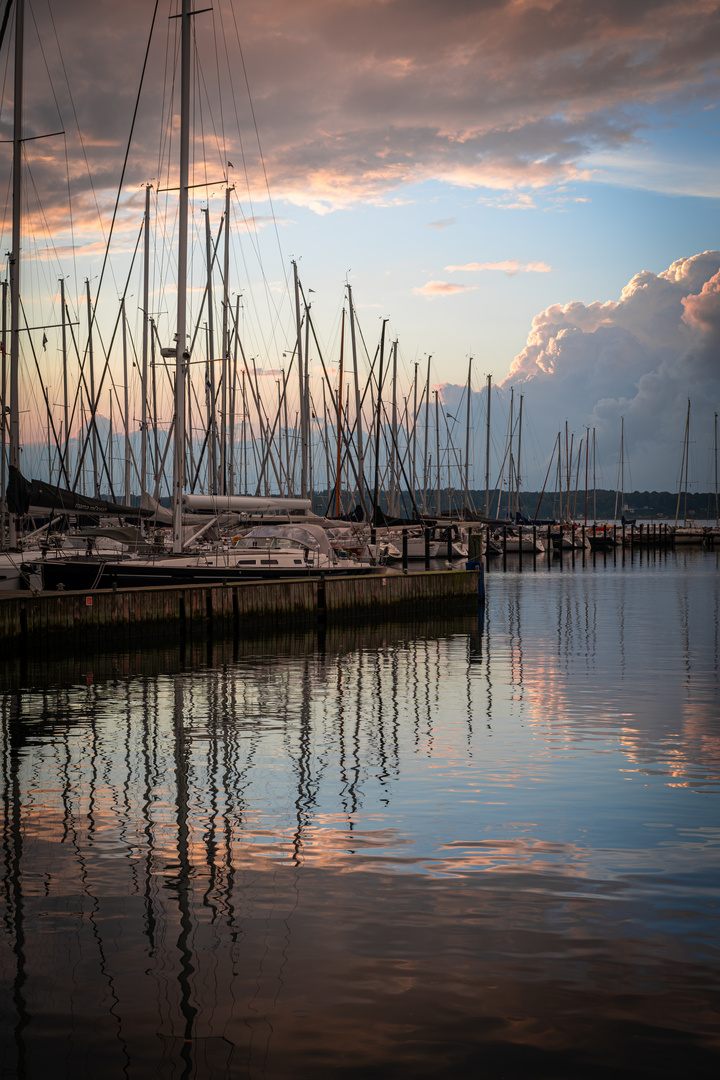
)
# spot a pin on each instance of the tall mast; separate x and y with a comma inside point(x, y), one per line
point(517, 488)
point(487, 451)
point(620, 467)
point(126, 404)
point(595, 490)
point(224, 397)
point(66, 412)
point(14, 455)
point(339, 416)
point(393, 448)
point(467, 439)
point(233, 395)
point(437, 446)
point(716, 475)
point(510, 465)
point(301, 379)
point(587, 451)
point(181, 354)
point(414, 437)
point(3, 414)
point(377, 424)
point(358, 404)
point(427, 429)
point(210, 378)
point(91, 361)
point(144, 370)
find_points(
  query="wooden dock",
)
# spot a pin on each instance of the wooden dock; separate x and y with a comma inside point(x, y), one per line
point(27, 619)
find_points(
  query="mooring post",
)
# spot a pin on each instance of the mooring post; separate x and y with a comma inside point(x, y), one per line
point(404, 550)
point(427, 548)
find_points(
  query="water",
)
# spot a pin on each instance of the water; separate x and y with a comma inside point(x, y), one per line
point(434, 850)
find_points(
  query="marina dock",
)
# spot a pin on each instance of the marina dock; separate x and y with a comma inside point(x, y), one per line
point(29, 620)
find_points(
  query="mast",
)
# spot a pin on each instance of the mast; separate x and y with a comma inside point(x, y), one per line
point(377, 424)
point(301, 379)
point(487, 451)
point(717, 521)
point(587, 451)
point(620, 480)
point(224, 399)
point(233, 396)
point(393, 448)
point(511, 500)
point(3, 414)
point(414, 436)
point(437, 446)
point(181, 354)
point(595, 490)
point(144, 370)
point(339, 416)
point(467, 440)
point(427, 427)
point(358, 404)
point(127, 405)
point(66, 414)
point(517, 489)
point(91, 362)
point(14, 454)
point(210, 377)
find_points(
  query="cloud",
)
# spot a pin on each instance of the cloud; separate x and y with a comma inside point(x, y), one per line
point(510, 267)
point(357, 99)
point(442, 288)
point(640, 357)
point(443, 223)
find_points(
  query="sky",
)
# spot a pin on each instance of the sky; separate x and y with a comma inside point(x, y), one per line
point(530, 183)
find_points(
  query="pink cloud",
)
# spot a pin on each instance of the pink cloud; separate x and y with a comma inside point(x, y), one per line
point(442, 288)
point(509, 266)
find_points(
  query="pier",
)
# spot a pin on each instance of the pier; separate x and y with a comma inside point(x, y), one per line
point(29, 620)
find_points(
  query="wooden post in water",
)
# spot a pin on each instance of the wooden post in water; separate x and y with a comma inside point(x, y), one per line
point(427, 548)
point(404, 550)
point(449, 544)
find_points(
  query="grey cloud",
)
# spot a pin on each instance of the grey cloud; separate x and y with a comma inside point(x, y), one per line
point(355, 99)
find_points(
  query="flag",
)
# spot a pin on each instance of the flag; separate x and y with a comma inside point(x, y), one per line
point(44, 341)
point(230, 165)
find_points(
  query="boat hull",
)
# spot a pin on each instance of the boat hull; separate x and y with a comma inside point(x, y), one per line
point(85, 575)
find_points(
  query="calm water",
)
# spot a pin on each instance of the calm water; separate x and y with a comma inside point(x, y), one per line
point(441, 850)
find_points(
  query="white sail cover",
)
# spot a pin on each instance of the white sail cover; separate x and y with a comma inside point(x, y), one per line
point(238, 504)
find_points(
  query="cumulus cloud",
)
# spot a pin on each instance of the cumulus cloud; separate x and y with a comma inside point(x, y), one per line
point(639, 357)
point(442, 288)
point(509, 266)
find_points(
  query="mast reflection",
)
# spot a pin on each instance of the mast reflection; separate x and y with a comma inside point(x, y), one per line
point(198, 840)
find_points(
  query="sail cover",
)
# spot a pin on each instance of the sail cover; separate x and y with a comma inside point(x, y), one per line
point(26, 495)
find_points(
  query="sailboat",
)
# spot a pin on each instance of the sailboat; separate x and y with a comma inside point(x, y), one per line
point(685, 534)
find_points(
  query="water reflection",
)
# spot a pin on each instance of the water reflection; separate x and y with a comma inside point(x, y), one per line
point(427, 849)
